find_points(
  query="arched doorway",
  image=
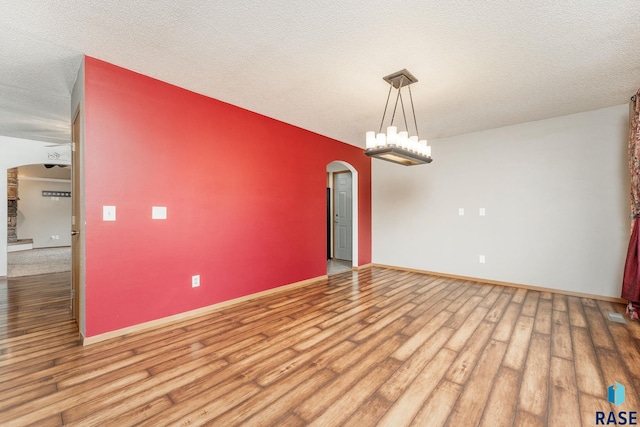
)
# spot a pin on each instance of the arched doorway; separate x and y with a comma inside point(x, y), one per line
point(342, 217)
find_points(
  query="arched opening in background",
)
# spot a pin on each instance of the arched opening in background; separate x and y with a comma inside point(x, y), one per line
point(342, 217)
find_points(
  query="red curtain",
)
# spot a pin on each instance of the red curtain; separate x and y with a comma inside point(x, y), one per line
point(631, 279)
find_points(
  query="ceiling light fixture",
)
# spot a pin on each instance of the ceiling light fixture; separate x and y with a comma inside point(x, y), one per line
point(394, 146)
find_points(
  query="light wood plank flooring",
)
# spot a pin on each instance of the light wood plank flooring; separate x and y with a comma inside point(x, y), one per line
point(374, 347)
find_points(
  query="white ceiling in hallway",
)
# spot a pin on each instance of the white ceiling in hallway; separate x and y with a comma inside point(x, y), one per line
point(319, 64)
point(36, 78)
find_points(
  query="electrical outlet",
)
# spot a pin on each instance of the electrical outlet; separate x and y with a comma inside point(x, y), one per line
point(195, 281)
point(481, 259)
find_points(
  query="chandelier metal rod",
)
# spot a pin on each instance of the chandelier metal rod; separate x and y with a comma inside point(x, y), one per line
point(415, 122)
point(404, 114)
point(385, 109)
point(395, 106)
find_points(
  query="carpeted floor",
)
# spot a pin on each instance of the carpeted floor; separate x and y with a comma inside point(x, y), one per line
point(38, 261)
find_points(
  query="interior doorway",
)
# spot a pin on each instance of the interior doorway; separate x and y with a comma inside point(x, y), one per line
point(39, 241)
point(42, 225)
point(342, 217)
point(76, 212)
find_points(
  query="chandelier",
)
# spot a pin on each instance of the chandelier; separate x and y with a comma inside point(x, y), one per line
point(394, 146)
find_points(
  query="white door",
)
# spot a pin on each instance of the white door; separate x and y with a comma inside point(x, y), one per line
point(343, 216)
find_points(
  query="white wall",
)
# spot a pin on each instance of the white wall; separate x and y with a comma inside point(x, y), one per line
point(17, 152)
point(40, 218)
point(555, 193)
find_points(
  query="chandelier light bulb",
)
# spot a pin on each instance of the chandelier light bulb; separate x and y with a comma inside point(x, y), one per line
point(371, 140)
point(413, 143)
point(403, 139)
point(422, 147)
point(392, 135)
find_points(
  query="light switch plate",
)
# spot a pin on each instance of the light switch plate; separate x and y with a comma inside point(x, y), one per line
point(108, 213)
point(461, 211)
point(158, 212)
point(481, 258)
point(482, 212)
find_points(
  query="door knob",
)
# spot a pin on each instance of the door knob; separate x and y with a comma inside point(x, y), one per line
point(74, 232)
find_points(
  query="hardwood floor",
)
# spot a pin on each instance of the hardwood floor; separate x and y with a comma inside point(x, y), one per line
point(374, 347)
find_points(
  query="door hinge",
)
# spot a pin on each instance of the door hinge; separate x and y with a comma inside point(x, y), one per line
point(73, 146)
point(73, 293)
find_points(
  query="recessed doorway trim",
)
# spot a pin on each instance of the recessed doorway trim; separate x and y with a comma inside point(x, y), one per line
point(354, 200)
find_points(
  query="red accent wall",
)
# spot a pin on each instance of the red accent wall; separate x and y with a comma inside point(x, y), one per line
point(245, 198)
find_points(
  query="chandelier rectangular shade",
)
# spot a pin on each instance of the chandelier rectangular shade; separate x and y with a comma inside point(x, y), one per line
point(398, 155)
point(394, 146)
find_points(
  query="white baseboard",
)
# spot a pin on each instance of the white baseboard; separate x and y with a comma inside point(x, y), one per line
point(20, 247)
point(194, 313)
point(513, 285)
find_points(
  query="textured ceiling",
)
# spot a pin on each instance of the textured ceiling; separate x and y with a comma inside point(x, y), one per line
point(36, 78)
point(319, 64)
